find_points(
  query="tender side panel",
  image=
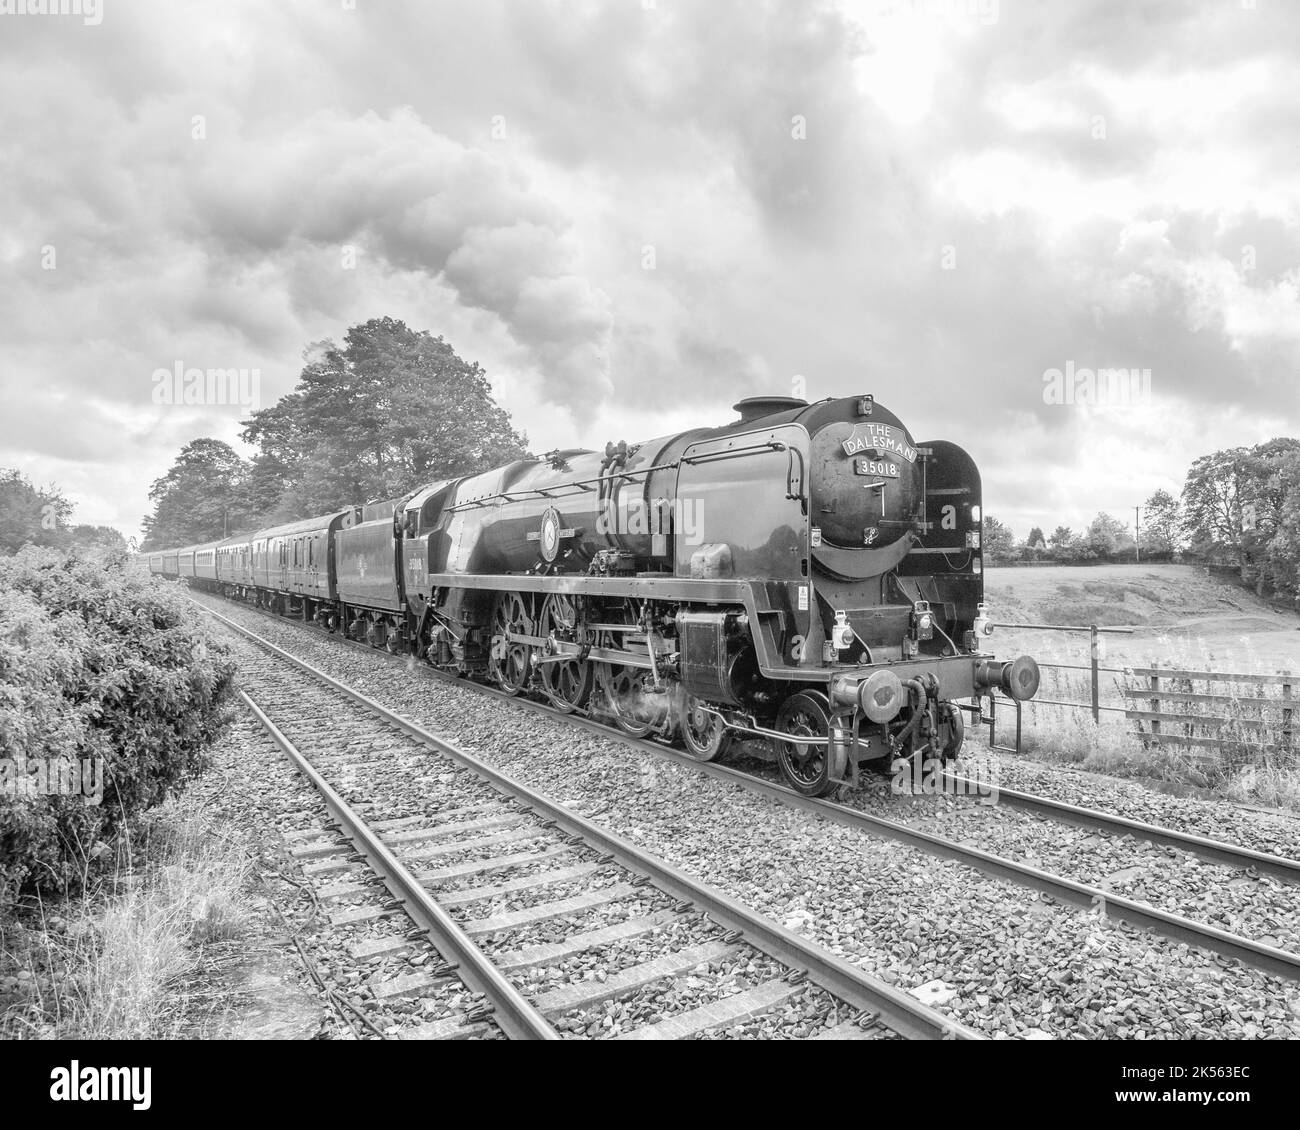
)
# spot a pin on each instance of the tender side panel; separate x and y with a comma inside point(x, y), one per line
point(366, 561)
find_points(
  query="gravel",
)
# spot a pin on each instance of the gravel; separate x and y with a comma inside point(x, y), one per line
point(1257, 906)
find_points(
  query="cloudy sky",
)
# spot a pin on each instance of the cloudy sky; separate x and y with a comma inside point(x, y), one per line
point(634, 212)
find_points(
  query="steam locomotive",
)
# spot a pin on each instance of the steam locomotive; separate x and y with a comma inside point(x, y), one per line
point(807, 574)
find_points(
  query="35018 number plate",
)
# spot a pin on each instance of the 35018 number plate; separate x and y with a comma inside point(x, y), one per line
point(877, 467)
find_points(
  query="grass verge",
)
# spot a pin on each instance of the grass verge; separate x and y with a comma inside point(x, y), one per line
point(107, 964)
point(1265, 773)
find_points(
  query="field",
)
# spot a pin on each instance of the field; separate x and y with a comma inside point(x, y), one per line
point(1180, 615)
point(1174, 608)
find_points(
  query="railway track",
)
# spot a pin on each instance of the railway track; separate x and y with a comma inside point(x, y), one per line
point(377, 867)
point(1272, 959)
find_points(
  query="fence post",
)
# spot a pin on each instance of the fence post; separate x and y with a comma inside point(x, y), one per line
point(1155, 703)
point(1286, 715)
point(1096, 702)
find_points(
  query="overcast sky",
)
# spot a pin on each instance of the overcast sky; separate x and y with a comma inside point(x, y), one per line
point(634, 212)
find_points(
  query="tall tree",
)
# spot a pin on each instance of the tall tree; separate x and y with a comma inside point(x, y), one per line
point(1282, 556)
point(200, 499)
point(1216, 489)
point(1107, 535)
point(390, 410)
point(1061, 538)
point(1162, 521)
point(1233, 499)
point(28, 514)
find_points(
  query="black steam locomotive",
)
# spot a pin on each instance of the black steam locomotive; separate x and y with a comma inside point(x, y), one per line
point(807, 574)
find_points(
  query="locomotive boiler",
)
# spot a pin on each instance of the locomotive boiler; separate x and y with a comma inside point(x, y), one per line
point(808, 574)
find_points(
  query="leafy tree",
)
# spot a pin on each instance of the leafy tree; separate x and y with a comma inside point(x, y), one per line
point(1061, 538)
point(200, 499)
point(1233, 499)
point(1283, 552)
point(29, 515)
point(1036, 538)
point(999, 541)
point(97, 537)
point(1107, 535)
point(392, 409)
point(1162, 521)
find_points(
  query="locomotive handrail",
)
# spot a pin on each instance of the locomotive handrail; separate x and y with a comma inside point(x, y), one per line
point(735, 452)
point(758, 448)
point(790, 492)
point(545, 492)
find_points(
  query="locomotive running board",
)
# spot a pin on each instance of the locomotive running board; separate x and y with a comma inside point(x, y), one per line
point(646, 588)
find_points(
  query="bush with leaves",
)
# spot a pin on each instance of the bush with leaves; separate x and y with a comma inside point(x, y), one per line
point(97, 660)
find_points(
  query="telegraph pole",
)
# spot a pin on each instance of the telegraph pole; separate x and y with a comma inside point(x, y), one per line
point(1137, 535)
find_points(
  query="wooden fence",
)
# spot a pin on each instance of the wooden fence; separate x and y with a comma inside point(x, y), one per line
point(1240, 716)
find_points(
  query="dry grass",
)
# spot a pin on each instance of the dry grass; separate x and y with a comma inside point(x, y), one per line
point(104, 966)
point(1268, 776)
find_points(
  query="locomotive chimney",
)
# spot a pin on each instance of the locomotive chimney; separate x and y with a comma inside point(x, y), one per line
point(756, 407)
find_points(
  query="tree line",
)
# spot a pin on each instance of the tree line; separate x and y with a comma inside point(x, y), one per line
point(391, 409)
point(1238, 507)
point(32, 515)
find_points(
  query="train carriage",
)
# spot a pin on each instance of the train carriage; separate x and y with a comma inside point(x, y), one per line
point(235, 565)
point(293, 564)
point(205, 563)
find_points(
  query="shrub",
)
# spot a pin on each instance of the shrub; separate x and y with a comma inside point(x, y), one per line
point(98, 660)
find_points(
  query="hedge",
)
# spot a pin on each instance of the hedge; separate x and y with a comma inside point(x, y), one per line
point(97, 660)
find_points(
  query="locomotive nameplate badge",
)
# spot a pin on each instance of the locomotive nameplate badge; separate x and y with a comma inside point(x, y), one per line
point(880, 439)
point(551, 535)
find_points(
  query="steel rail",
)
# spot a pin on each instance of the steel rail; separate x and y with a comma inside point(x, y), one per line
point(1269, 958)
point(899, 1011)
point(1278, 866)
point(510, 1009)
